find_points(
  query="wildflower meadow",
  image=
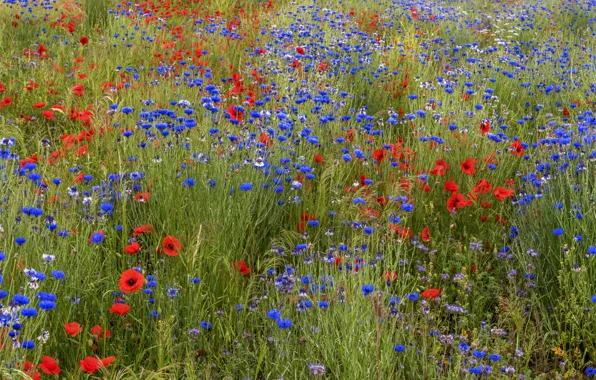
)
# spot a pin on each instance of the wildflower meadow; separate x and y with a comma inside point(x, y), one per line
point(277, 189)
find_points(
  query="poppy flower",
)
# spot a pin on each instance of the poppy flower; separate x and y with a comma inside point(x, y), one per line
point(171, 246)
point(300, 50)
point(142, 229)
point(484, 127)
point(131, 281)
point(501, 193)
point(318, 158)
point(48, 365)
point(389, 276)
point(120, 308)
point(457, 201)
point(425, 234)
point(84, 40)
point(73, 328)
point(517, 148)
point(48, 114)
point(77, 89)
point(98, 332)
point(483, 187)
point(235, 114)
point(133, 248)
point(6, 102)
point(39, 105)
point(378, 156)
point(450, 186)
point(468, 166)
point(438, 170)
point(91, 364)
point(431, 293)
point(241, 267)
point(142, 197)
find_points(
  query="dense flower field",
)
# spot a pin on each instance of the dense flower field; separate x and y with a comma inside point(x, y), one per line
point(274, 189)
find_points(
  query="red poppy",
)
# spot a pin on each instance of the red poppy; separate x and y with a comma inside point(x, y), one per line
point(468, 166)
point(77, 89)
point(300, 50)
point(120, 308)
point(451, 186)
point(48, 114)
point(483, 187)
point(142, 197)
point(133, 248)
point(241, 267)
point(438, 170)
point(402, 232)
point(39, 105)
point(484, 127)
point(107, 361)
point(235, 115)
point(6, 102)
point(91, 364)
point(378, 155)
point(389, 276)
point(425, 234)
point(566, 112)
point(318, 158)
point(265, 139)
point(457, 201)
point(48, 365)
point(98, 332)
point(431, 293)
point(84, 40)
point(131, 281)
point(171, 246)
point(501, 193)
point(517, 149)
point(442, 163)
point(73, 328)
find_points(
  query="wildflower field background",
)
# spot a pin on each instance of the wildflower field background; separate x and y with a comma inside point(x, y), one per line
point(374, 189)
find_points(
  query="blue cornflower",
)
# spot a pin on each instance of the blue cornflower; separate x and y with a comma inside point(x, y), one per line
point(246, 186)
point(413, 296)
point(399, 348)
point(558, 231)
point(20, 299)
point(107, 208)
point(274, 314)
point(47, 305)
point(189, 182)
point(206, 325)
point(284, 323)
point(29, 312)
point(20, 240)
point(478, 354)
point(463, 346)
point(97, 238)
point(58, 275)
point(367, 289)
